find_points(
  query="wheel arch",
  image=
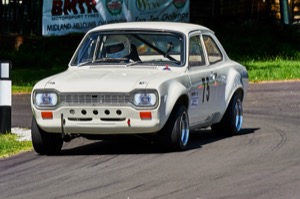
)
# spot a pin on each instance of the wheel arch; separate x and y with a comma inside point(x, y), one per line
point(234, 86)
point(239, 92)
point(183, 100)
point(176, 94)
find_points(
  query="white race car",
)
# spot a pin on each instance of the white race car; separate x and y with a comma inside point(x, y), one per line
point(145, 78)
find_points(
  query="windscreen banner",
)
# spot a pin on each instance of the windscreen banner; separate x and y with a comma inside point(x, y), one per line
point(61, 17)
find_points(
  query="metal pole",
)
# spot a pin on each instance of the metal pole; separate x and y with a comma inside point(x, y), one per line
point(5, 97)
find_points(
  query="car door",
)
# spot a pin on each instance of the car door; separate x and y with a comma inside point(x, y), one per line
point(202, 93)
point(218, 68)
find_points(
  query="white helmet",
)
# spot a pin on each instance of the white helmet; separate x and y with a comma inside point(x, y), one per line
point(117, 46)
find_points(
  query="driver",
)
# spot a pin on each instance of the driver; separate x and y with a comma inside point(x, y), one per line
point(117, 46)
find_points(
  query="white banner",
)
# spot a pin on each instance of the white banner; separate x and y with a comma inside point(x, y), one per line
point(61, 17)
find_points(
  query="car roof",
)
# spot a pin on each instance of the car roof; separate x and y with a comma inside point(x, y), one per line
point(185, 28)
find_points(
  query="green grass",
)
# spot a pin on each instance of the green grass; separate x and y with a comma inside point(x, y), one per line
point(21, 89)
point(273, 70)
point(9, 145)
point(23, 80)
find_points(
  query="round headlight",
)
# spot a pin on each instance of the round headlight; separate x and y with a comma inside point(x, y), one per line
point(46, 99)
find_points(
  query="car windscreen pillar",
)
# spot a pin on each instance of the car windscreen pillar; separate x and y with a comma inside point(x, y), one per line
point(5, 97)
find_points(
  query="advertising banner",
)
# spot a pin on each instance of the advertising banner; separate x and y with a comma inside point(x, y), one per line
point(62, 17)
point(159, 10)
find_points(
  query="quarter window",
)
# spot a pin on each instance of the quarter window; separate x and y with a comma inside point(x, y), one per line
point(213, 52)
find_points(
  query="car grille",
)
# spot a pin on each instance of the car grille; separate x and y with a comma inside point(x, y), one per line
point(98, 99)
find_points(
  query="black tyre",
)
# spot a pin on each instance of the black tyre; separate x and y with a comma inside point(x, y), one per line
point(45, 143)
point(232, 120)
point(175, 134)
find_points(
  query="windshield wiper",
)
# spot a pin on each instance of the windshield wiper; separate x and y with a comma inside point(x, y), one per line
point(110, 60)
point(103, 60)
point(133, 63)
point(84, 63)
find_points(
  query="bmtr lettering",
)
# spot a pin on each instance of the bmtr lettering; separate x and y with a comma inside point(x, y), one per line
point(60, 7)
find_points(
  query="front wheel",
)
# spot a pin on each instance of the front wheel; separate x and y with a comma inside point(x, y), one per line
point(45, 143)
point(232, 120)
point(176, 132)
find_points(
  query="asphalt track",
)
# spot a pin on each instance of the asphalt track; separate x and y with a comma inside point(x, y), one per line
point(262, 162)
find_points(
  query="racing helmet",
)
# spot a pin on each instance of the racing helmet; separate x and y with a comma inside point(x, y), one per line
point(117, 46)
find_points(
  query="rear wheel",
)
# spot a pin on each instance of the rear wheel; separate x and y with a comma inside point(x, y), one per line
point(45, 143)
point(175, 134)
point(232, 120)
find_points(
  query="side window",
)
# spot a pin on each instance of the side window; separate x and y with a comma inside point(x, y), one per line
point(196, 56)
point(213, 52)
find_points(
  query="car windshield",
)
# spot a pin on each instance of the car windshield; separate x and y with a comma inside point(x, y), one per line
point(130, 48)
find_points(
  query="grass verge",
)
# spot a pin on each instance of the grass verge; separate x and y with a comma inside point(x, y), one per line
point(9, 145)
point(273, 70)
point(23, 80)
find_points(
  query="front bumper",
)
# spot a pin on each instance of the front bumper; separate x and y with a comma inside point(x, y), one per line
point(98, 120)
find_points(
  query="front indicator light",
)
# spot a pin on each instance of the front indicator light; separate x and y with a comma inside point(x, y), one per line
point(47, 115)
point(146, 115)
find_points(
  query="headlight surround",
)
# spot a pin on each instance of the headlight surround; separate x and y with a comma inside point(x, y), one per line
point(45, 99)
point(145, 98)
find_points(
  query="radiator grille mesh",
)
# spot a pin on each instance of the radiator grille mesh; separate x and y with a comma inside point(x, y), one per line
point(95, 99)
